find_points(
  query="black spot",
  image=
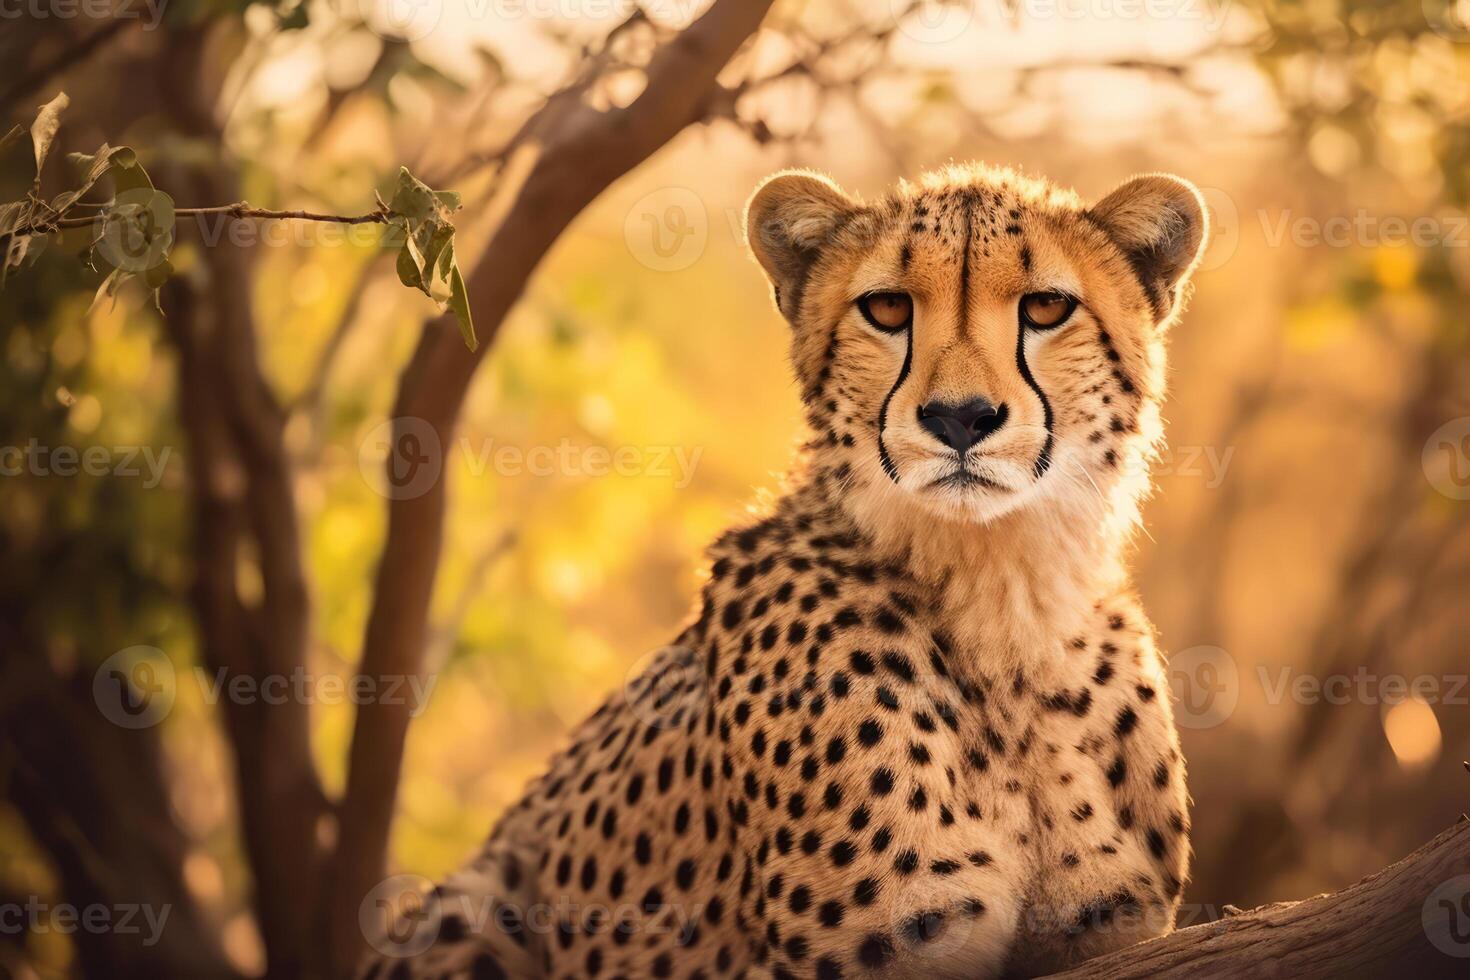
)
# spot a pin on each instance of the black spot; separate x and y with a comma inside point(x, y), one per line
point(900, 666)
point(888, 621)
point(875, 951)
point(881, 782)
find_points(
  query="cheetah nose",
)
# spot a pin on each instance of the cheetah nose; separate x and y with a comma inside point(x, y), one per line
point(961, 426)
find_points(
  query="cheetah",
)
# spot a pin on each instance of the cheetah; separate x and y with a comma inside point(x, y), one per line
point(918, 724)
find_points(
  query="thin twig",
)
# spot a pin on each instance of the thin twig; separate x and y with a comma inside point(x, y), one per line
point(240, 211)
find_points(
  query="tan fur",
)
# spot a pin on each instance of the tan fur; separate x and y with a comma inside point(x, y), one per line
point(919, 727)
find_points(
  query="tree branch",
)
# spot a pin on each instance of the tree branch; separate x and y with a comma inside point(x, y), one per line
point(1374, 928)
point(239, 211)
point(583, 153)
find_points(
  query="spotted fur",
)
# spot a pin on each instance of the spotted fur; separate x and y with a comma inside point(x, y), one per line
point(919, 725)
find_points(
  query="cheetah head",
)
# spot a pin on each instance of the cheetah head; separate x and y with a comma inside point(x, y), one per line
point(979, 341)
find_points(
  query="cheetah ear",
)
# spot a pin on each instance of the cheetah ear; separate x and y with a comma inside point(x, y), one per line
point(1160, 223)
point(789, 219)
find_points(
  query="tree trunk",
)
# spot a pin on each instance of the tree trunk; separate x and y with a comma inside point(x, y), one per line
point(581, 153)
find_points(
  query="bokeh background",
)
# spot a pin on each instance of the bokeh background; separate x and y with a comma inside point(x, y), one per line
point(1310, 521)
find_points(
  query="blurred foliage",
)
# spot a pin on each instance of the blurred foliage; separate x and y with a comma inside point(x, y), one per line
point(128, 237)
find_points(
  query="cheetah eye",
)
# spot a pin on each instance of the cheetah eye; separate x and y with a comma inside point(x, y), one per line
point(1046, 311)
point(887, 311)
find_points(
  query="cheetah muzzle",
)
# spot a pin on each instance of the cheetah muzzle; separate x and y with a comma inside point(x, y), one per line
point(919, 725)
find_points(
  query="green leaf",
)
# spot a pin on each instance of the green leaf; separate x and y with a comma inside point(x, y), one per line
point(107, 290)
point(43, 130)
point(409, 272)
point(16, 248)
point(426, 261)
point(439, 288)
point(436, 273)
point(127, 173)
point(412, 197)
point(11, 216)
point(459, 305)
point(94, 166)
point(137, 231)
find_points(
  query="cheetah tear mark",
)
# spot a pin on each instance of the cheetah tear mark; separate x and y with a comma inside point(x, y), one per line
point(903, 375)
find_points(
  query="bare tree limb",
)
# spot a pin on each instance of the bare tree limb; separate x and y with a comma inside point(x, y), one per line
point(1373, 929)
point(578, 158)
